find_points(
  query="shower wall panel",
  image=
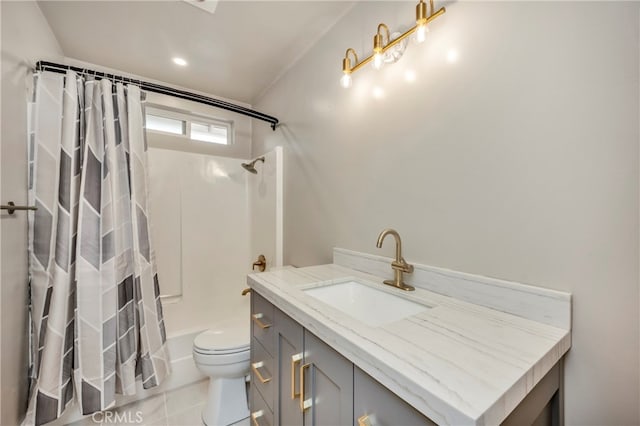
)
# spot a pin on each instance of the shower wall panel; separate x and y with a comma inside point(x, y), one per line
point(200, 227)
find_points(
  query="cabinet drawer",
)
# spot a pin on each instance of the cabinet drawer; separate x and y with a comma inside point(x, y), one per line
point(262, 372)
point(261, 415)
point(262, 321)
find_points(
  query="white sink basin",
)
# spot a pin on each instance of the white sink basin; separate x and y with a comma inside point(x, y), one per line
point(365, 303)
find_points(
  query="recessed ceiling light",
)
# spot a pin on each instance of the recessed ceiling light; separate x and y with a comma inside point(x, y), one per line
point(180, 61)
point(206, 5)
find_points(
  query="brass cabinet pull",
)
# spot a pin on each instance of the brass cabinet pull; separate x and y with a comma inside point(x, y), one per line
point(303, 404)
point(257, 319)
point(295, 359)
point(246, 291)
point(256, 417)
point(255, 366)
point(364, 420)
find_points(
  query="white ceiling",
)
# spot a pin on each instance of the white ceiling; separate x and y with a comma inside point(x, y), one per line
point(235, 53)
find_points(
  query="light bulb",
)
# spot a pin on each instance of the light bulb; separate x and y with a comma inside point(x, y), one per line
point(346, 81)
point(421, 33)
point(378, 60)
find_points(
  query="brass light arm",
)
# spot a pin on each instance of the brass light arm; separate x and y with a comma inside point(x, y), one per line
point(346, 62)
point(412, 30)
point(386, 30)
point(353, 52)
point(364, 62)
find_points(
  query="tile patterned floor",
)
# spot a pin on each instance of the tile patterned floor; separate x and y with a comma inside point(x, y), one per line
point(179, 407)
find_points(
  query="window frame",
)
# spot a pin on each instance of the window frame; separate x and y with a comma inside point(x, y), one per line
point(188, 118)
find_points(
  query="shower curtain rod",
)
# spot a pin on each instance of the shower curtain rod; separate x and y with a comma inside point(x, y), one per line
point(157, 88)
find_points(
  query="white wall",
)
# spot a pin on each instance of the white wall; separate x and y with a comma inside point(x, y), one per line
point(26, 38)
point(514, 154)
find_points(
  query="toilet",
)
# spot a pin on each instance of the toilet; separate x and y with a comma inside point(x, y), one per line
point(222, 353)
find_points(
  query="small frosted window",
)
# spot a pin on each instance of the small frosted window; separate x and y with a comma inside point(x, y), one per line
point(165, 124)
point(210, 133)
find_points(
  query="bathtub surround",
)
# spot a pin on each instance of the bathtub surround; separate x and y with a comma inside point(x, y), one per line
point(95, 295)
point(511, 153)
point(26, 37)
point(201, 225)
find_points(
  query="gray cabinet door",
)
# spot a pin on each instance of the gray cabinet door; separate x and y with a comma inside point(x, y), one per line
point(376, 405)
point(289, 340)
point(328, 378)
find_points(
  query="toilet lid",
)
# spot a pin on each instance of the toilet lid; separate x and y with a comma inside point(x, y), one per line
point(225, 337)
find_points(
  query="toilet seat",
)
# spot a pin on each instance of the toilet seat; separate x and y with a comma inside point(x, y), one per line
point(220, 351)
point(224, 338)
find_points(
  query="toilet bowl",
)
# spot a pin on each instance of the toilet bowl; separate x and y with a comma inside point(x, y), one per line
point(222, 353)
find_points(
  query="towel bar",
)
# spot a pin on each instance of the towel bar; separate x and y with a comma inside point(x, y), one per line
point(11, 207)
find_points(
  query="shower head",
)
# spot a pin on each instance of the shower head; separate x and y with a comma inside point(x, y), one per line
point(251, 167)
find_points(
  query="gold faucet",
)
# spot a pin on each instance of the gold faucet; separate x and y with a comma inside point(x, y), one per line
point(400, 266)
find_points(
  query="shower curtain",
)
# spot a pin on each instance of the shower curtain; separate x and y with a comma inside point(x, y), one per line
point(96, 317)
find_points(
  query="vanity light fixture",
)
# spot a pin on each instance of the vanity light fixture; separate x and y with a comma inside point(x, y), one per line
point(380, 47)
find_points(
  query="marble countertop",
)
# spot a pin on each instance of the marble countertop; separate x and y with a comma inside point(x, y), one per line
point(458, 363)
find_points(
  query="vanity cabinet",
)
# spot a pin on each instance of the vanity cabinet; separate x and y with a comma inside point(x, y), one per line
point(298, 380)
point(310, 383)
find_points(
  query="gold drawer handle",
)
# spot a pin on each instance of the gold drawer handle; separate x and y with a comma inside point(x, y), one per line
point(303, 404)
point(295, 359)
point(364, 420)
point(257, 319)
point(255, 366)
point(256, 417)
point(246, 291)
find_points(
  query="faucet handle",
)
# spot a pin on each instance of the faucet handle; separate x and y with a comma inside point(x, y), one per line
point(402, 265)
point(261, 263)
point(409, 267)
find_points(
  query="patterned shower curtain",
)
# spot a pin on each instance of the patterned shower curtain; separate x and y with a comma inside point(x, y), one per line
point(96, 317)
